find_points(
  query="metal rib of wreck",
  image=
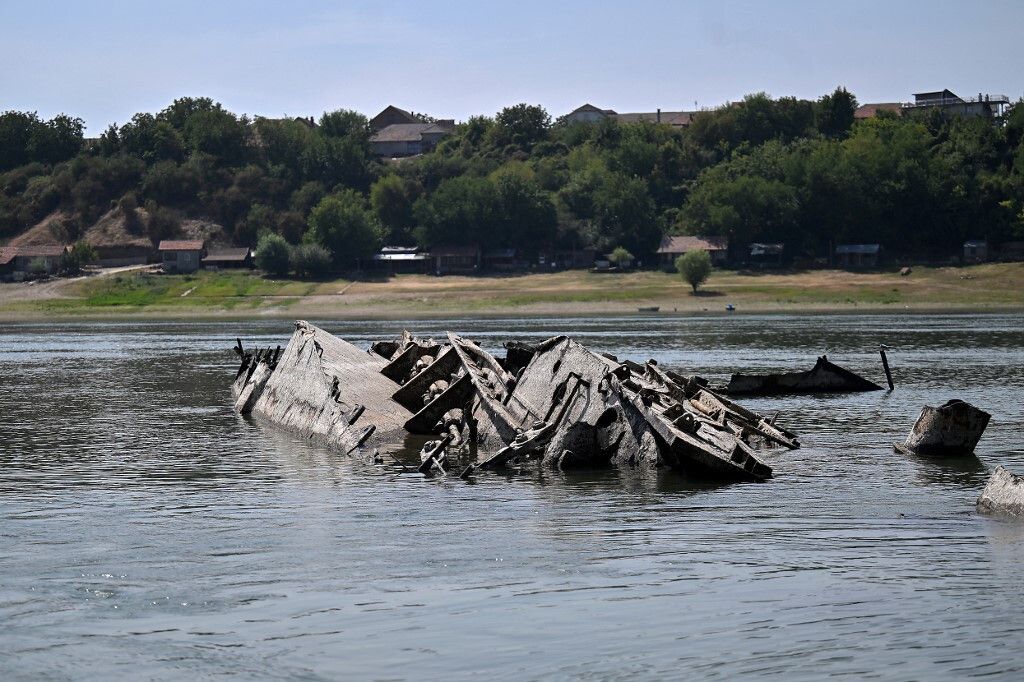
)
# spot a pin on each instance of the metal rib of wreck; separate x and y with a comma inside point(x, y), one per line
point(566, 407)
point(824, 377)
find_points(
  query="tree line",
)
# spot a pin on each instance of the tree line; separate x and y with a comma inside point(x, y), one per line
point(763, 169)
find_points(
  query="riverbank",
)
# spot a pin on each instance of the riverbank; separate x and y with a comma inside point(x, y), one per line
point(997, 286)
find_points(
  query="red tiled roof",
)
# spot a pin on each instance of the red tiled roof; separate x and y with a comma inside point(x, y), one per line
point(871, 110)
point(227, 255)
point(685, 243)
point(40, 250)
point(181, 245)
point(7, 254)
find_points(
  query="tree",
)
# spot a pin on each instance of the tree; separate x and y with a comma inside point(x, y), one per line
point(342, 223)
point(310, 261)
point(522, 124)
point(37, 266)
point(694, 267)
point(460, 210)
point(272, 255)
point(835, 113)
point(621, 257)
point(526, 216)
point(392, 203)
point(80, 254)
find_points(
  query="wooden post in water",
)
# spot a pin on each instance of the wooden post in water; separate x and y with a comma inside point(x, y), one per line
point(885, 366)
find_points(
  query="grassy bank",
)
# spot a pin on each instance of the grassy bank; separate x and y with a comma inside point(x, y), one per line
point(241, 294)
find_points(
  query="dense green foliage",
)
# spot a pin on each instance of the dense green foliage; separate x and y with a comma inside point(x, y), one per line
point(762, 169)
point(694, 267)
point(79, 255)
point(310, 261)
point(273, 255)
point(621, 257)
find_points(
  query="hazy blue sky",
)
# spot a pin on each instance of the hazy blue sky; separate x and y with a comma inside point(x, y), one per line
point(106, 61)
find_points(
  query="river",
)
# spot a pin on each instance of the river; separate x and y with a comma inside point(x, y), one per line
point(148, 532)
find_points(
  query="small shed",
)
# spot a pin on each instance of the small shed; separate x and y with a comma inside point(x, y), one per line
point(767, 255)
point(395, 259)
point(975, 251)
point(858, 255)
point(502, 260)
point(674, 246)
point(217, 259)
point(181, 255)
point(456, 259)
point(1011, 251)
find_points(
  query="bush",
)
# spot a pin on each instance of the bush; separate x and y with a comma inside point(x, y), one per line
point(310, 260)
point(694, 267)
point(163, 222)
point(37, 266)
point(621, 257)
point(272, 255)
point(82, 253)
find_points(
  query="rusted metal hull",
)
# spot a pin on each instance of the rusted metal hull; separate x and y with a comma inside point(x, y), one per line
point(824, 377)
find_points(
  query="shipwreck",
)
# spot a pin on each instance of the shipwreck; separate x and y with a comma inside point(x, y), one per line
point(824, 377)
point(555, 404)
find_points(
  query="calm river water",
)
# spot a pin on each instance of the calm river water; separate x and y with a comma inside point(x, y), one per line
point(146, 531)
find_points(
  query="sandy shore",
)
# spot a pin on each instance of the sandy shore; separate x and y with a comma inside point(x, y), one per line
point(991, 287)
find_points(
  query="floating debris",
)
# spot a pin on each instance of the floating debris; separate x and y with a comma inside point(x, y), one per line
point(1003, 494)
point(556, 405)
point(825, 377)
point(950, 430)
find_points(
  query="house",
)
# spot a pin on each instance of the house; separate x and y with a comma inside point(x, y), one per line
point(588, 113)
point(7, 254)
point(950, 104)
point(858, 255)
point(568, 259)
point(975, 251)
point(676, 245)
point(391, 115)
point(1011, 251)
point(502, 260)
point(767, 255)
point(395, 259)
point(456, 259)
point(872, 110)
point(220, 258)
point(407, 139)
point(181, 255)
point(47, 254)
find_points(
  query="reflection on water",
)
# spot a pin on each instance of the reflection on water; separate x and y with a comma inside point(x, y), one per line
point(148, 531)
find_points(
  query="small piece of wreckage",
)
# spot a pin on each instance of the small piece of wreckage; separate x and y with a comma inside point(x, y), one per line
point(557, 404)
point(824, 377)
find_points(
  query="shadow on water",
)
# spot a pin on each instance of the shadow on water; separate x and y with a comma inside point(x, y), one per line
point(967, 471)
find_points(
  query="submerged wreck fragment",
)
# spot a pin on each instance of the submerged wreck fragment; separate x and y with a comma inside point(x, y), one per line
point(950, 430)
point(323, 389)
point(824, 377)
point(1003, 494)
point(556, 404)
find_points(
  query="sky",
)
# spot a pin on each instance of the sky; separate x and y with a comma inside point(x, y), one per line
point(105, 61)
